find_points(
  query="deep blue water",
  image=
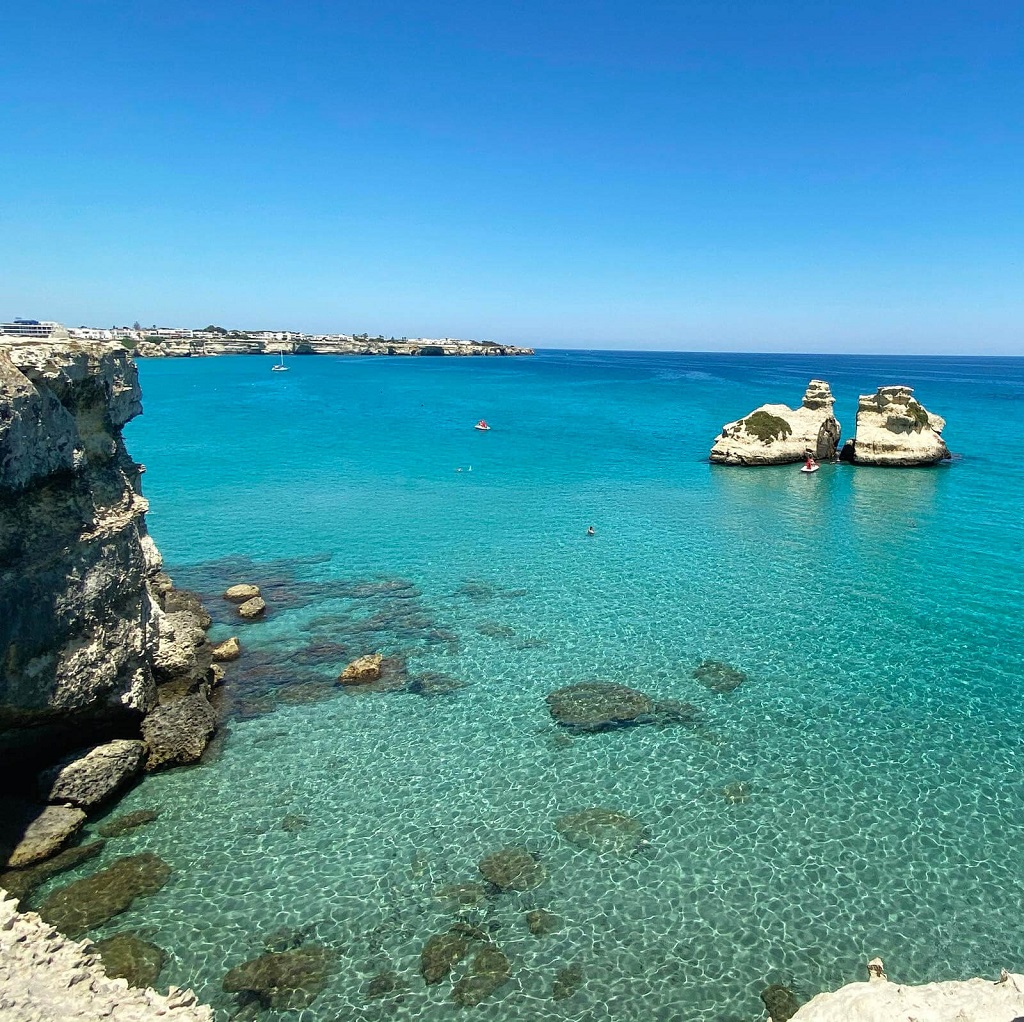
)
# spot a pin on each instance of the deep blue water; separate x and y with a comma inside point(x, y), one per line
point(876, 613)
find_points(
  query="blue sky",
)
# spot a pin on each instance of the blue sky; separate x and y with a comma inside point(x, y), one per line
point(740, 175)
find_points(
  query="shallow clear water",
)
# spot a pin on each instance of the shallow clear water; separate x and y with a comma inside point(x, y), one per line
point(876, 613)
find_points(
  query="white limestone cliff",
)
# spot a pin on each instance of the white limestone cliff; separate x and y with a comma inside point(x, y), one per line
point(893, 428)
point(778, 435)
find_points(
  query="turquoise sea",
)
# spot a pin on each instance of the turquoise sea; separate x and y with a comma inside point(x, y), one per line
point(873, 754)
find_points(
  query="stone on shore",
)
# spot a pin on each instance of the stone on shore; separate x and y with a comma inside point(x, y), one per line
point(251, 609)
point(513, 869)
point(777, 434)
point(894, 429)
point(45, 834)
point(87, 903)
point(599, 706)
point(363, 671)
point(87, 780)
point(229, 649)
point(241, 593)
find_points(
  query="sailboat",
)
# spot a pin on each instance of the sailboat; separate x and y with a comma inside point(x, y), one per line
point(280, 367)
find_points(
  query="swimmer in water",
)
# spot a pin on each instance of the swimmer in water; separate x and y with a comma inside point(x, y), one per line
point(590, 530)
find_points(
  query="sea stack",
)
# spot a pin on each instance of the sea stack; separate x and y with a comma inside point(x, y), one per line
point(780, 435)
point(894, 429)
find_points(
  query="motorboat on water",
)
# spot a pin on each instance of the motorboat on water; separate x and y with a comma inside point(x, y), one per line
point(280, 367)
point(482, 425)
point(812, 466)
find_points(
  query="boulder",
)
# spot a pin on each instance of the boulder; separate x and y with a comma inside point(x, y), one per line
point(241, 593)
point(181, 599)
point(127, 956)
point(513, 869)
point(254, 608)
point(439, 954)
point(46, 832)
point(599, 706)
point(21, 882)
point(488, 971)
point(229, 649)
point(91, 901)
point(603, 830)
point(177, 732)
point(87, 780)
point(283, 980)
point(363, 671)
point(780, 1002)
point(567, 982)
point(894, 429)
point(540, 922)
point(779, 435)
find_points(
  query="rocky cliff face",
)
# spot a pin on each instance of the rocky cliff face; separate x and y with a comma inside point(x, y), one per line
point(893, 428)
point(315, 346)
point(778, 434)
point(92, 634)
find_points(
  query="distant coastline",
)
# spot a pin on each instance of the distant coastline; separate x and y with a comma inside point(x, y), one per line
point(180, 342)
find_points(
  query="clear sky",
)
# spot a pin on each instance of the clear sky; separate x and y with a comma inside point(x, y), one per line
point(737, 174)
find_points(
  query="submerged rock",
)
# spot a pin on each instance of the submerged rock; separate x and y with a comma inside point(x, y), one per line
point(242, 592)
point(777, 434)
point(19, 883)
point(540, 922)
point(86, 780)
point(513, 869)
point(284, 980)
point(718, 676)
point(603, 830)
point(440, 953)
point(434, 683)
point(127, 821)
point(496, 630)
point(363, 670)
point(458, 896)
point(128, 956)
point(780, 1002)
point(87, 903)
point(599, 706)
point(384, 984)
point(894, 429)
point(43, 834)
point(489, 970)
point(736, 792)
point(567, 982)
point(294, 822)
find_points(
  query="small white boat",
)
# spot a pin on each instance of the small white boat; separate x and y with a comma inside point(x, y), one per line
point(481, 425)
point(810, 468)
point(280, 367)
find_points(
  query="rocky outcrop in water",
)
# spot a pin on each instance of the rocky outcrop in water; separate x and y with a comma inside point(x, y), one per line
point(893, 428)
point(779, 435)
point(972, 1000)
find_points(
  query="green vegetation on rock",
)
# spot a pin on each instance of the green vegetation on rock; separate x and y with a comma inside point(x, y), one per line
point(767, 427)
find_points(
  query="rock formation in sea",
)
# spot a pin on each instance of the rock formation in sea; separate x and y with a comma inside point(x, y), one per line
point(778, 435)
point(104, 667)
point(976, 1000)
point(893, 428)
